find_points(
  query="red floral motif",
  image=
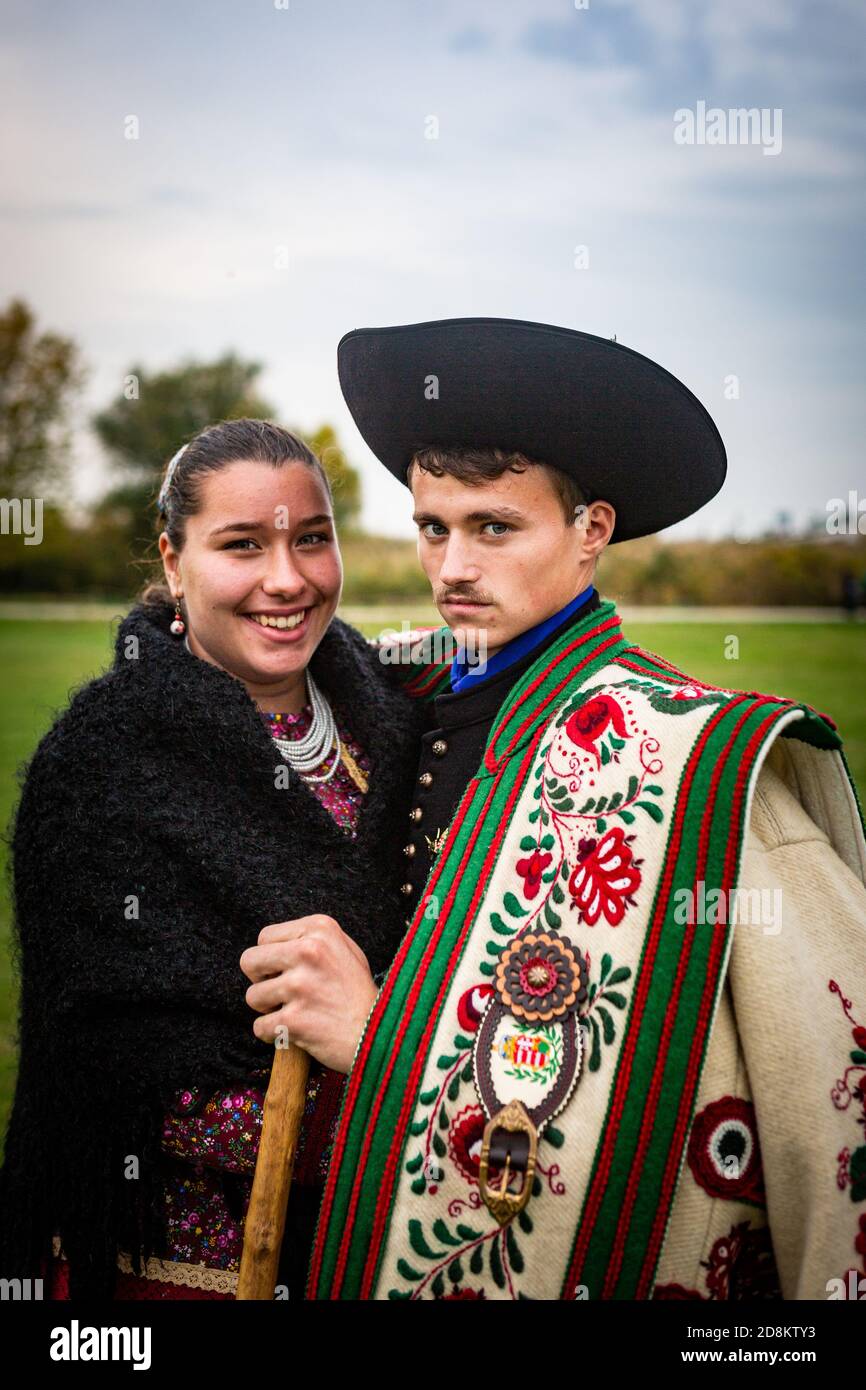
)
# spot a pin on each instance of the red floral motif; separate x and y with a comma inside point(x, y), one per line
point(724, 1153)
point(742, 1265)
point(588, 723)
point(688, 692)
point(471, 1006)
point(852, 1086)
point(531, 870)
point(464, 1142)
point(605, 878)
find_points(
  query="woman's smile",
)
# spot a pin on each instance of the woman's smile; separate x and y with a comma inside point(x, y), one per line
point(280, 625)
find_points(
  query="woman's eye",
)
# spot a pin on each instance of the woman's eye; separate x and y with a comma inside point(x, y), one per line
point(243, 540)
point(314, 536)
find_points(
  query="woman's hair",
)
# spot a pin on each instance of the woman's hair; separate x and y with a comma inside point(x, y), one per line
point(213, 448)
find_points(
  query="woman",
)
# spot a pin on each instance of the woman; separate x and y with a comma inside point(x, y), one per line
point(243, 764)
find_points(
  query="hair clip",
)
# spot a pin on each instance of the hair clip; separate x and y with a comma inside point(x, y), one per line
point(169, 474)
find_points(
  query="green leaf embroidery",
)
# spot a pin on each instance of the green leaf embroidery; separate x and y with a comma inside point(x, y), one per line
point(621, 973)
point(514, 1254)
point(513, 906)
point(496, 1263)
point(441, 1232)
point(418, 1242)
point(608, 1030)
point(553, 918)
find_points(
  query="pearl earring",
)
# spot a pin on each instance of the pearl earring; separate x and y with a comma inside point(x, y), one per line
point(178, 626)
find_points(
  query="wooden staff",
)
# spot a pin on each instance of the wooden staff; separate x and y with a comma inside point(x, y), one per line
point(266, 1214)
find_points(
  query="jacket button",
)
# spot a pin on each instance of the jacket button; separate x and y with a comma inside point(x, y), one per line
point(405, 889)
point(440, 747)
point(416, 813)
point(425, 779)
point(409, 850)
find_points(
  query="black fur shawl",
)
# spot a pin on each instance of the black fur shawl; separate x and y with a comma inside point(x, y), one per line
point(155, 793)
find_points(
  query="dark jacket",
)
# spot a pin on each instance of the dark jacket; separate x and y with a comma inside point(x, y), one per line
point(150, 846)
point(458, 727)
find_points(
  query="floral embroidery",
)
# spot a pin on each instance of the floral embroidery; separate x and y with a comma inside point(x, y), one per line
point(850, 1087)
point(531, 870)
point(590, 721)
point(540, 977)
point(741, 1266)
point(596, 785)
point(724, 1154)
point(606, 877)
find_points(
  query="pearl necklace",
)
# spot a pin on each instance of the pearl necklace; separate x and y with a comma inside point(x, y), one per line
point(303, 754)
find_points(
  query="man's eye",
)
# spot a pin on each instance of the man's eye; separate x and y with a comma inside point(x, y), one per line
point(425, 530)
point(503, 524)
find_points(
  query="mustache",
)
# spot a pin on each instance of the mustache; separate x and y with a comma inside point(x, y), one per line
point(461, 596)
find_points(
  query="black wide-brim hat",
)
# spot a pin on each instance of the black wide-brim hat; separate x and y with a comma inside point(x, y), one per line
point(627, 430)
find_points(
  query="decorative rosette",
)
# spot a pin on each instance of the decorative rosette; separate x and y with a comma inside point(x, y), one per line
point(541, 977)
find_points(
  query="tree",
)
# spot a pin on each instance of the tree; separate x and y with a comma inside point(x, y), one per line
point(155, 413)
point(39, 374)
point(344, 479)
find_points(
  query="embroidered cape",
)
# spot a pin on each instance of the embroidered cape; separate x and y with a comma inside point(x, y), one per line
point(551, 1003)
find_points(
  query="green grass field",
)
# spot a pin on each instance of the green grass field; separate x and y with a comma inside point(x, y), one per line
point(41, 661)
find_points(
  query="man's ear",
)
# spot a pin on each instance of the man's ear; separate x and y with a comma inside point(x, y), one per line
point(596, 520)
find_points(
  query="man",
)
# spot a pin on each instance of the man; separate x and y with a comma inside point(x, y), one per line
point(613, 1057)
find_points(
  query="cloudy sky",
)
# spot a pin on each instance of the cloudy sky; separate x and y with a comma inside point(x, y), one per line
point(305, 124)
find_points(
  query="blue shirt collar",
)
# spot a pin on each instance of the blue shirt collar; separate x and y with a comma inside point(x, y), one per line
point(464, 677)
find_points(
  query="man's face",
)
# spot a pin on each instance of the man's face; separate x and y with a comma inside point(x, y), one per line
point(499, 555)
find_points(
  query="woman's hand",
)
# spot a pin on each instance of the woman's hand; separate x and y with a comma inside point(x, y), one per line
point(312, 984)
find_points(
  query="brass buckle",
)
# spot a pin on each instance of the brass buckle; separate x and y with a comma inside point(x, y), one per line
point(504, 1204)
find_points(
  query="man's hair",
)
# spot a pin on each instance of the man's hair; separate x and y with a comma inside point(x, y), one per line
point(477, 466)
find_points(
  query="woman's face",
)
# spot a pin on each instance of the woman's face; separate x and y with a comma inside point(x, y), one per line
point(262, 546)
